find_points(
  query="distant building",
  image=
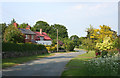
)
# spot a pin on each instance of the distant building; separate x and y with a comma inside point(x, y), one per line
point(35, 37)
point(28, 34)
point(43, 38)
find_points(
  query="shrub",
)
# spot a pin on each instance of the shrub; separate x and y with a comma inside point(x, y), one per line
point(13, 34)
point(48, 48)
point(51, 48)
point(112, 52)
point(70, 46)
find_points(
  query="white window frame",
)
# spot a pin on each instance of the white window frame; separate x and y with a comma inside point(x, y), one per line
point(26, 37)
point(32, 36)
point(41, 38)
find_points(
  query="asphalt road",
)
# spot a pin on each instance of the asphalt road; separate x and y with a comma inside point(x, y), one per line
point(49, 66)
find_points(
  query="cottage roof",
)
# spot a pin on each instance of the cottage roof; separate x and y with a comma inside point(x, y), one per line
point(27, 31)
point(46, 37)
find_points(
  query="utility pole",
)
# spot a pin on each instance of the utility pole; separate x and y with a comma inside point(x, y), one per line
point(57, 40)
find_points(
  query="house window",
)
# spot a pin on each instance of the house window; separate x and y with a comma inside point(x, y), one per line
point(32, 36)
point(41, 38)
point(26, 37)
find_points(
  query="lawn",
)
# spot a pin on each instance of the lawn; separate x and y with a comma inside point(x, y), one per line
point(8, 62)
point(87, 65)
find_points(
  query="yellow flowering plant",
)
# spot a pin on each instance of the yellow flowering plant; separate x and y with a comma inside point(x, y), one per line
point(105, 45)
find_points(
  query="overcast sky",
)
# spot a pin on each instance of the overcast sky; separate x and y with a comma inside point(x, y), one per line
point(76, 16)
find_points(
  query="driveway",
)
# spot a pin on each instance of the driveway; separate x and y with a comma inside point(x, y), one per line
point(49, 66)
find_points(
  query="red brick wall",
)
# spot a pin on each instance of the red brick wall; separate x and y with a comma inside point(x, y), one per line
point(29, 38)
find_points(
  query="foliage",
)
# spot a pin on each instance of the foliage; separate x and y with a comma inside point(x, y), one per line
point(112, 52)
point(51, 48)
point(42, 25)
point(51, 30)
point(87, 65)
point(12, 21)
point(89, 31)
point(88, 44)
point(105, 45)
point(116, 43)
point(103, 66)
point(75, 39)
point(3, 26)
point(81, 40)
point(62, 30)
point(13, 34)
point(21, 47)
point(99, 34)
point(23, 25)
point(69, 46)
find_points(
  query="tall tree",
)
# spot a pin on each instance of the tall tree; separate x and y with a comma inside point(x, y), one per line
point(75, 39)
point(62, 30)
point(89, 31)
point(23, 25)
point(42, 24)
point(104, 30)
point(3, 26)
point(13, 21)
point(12, 34)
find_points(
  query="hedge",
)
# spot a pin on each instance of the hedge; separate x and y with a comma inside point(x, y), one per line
point(22, 49)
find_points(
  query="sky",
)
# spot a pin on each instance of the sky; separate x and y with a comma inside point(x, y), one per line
point(76, 16)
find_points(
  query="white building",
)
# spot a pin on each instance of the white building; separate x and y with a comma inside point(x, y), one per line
point(43, 38)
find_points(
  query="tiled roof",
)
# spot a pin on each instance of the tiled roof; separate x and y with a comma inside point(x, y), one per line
point(27, 31)
point(46, 37)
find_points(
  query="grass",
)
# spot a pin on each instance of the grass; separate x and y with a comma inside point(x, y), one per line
point(76, 66)
point(87, 65)
point(8, 62)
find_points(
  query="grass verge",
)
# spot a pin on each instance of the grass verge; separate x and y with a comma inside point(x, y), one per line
point(76, 66)
point(8, 62)
point(87, 65)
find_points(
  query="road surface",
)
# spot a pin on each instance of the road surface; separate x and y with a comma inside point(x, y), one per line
point(48, 66)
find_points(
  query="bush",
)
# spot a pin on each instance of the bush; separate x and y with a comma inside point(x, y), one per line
point(70, 46)
point(112, 52)
point(13, 34)
point(51, 48)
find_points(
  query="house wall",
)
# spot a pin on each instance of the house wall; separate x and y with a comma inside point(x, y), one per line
point(29, 38)
point(44, 42)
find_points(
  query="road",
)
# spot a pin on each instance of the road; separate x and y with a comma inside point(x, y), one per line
point(48, 66)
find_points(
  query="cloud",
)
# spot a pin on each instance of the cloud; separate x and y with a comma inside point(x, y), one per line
point(92, 9)
point(78, 7)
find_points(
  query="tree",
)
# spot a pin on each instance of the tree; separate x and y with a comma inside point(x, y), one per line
point(3, 26)
point(23, 25)
point(12, 21)
point(75, 39)
point(106, 45)
point(13, 34)
point(42, 25)
point(81, 39)
point(68, 45)
point(99, 34)
point(88, 44)
point(51, 30)
point(62, 30)
point(89, 31)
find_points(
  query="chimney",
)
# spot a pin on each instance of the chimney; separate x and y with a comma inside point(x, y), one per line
point(15, 24)
point(40, 31)
point(28, 27)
